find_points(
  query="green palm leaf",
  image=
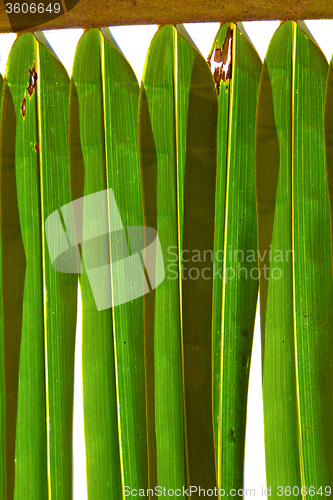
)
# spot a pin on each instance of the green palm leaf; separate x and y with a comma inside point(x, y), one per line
point(294, 236)
point(236, 67)
point(177, 131)
point(2, 379)
point(104, 155)
point(39, 303)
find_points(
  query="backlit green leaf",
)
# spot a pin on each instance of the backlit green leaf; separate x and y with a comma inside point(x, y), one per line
point(104, 155)
point(294, 241)
point(177, 131)
point(39, 303)
point(236, 67)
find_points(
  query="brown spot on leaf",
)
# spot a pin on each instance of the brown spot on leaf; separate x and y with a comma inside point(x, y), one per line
point(37, 148)
point(220, 60)
point(32, 80)
point(217, 54)
point(245, 333)
point(231, 437)
point(23, 107)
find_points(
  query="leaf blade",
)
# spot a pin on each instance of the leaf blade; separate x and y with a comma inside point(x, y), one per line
point(34, 423)
point(297, 179)
point(236, 286)
point(105, 149)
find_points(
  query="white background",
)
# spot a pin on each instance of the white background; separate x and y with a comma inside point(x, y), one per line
point(138, 37)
